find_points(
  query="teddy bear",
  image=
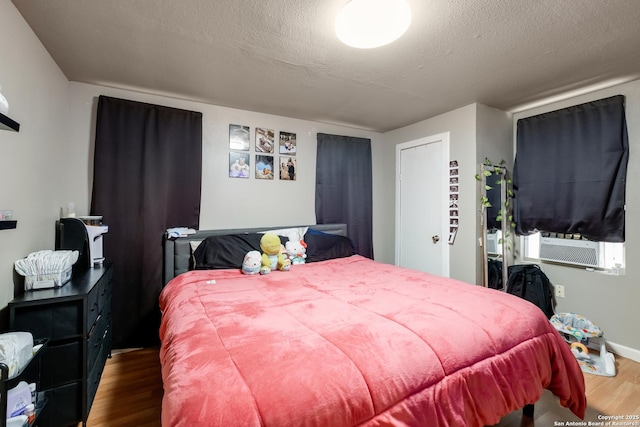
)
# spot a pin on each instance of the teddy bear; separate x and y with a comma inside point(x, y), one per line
point(296, 249)
point(273, 254)
point(252, 262)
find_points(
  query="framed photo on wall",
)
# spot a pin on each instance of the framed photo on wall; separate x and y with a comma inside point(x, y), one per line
point(239, 137)
point(264, 167)
point(288, 168)
point(265, 140)
point(239, 165)
point(287, 143)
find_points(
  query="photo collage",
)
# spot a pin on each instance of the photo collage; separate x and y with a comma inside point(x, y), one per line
point(265, 164)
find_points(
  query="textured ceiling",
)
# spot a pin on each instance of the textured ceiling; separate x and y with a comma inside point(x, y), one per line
point(282, 57)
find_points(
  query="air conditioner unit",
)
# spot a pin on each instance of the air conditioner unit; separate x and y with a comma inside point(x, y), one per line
point(494, 245)
point(569, 251)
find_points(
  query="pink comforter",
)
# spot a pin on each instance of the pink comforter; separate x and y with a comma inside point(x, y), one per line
point(353, 342)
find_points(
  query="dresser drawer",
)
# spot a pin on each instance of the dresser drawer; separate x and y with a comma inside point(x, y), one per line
point(93, 379)
point(97, 336)
point(54, 321)
point(92, 308)
point(62, 364)
point(64, 406)
point(104, 292)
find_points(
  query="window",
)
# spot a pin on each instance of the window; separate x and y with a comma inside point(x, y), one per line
point(569, 182)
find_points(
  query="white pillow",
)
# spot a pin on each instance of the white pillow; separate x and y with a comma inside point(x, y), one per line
point(194, 245)
point(293, 233)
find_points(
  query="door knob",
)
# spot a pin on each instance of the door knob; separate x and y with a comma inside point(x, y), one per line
point(435, 239)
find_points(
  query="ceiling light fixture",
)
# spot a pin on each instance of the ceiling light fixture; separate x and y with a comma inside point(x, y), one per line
point(367, 24)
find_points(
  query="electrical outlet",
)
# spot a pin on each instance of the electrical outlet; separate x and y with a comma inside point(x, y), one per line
point(559, 291)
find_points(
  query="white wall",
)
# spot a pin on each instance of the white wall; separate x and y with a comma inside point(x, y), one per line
point(609, 301)
point(461, 124)
point(34, 173)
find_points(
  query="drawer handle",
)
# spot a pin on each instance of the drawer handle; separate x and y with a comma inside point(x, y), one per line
point(94, 326)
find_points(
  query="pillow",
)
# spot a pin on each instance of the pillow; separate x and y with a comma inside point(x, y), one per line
point(316, 232)
point(227, 250)
point(323, 246)
point(193, 244)
point(293, 233)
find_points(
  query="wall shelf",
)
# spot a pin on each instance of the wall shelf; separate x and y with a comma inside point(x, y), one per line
point(7, 225)
point(7, 124)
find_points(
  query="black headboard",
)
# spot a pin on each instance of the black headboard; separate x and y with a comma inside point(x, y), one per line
point(177, 251)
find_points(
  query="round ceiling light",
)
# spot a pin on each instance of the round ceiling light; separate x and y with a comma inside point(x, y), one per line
point(367, 24)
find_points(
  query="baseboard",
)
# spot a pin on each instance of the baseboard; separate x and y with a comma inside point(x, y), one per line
point(624, 351)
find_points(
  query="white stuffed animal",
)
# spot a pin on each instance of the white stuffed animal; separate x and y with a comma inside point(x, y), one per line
point(296, 249)
point(252, 262)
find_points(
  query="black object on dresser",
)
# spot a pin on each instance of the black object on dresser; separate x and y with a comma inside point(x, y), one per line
point(77, 320)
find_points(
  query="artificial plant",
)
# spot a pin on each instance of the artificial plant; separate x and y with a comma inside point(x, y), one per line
point(489, 169)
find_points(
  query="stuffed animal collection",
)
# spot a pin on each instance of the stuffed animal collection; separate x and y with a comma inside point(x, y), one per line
point(275, 256)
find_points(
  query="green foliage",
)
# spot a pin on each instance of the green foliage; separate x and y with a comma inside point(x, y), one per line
point(498, 170)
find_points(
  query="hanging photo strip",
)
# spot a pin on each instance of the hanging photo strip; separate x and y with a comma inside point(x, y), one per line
point(453, 200)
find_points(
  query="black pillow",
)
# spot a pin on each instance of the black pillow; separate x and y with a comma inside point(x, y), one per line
point(227, 251)
point(323, 246)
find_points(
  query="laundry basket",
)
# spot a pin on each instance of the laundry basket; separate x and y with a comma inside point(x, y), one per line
point(581, 334)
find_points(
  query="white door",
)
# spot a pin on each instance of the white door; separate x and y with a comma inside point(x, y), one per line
point(422, 205)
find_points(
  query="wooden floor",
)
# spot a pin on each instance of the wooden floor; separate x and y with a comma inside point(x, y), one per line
point(130, 394)
point(130, 391)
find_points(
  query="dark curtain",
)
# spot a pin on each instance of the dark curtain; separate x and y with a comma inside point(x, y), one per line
point(344, 188)
point(147, 175)
point(570, 171)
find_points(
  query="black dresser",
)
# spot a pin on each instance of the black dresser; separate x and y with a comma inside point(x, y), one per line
point(77, 320)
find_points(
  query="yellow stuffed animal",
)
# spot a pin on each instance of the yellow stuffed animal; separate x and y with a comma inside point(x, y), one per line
point(272, 254)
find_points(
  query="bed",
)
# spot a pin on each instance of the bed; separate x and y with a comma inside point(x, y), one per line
point(347, 341)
